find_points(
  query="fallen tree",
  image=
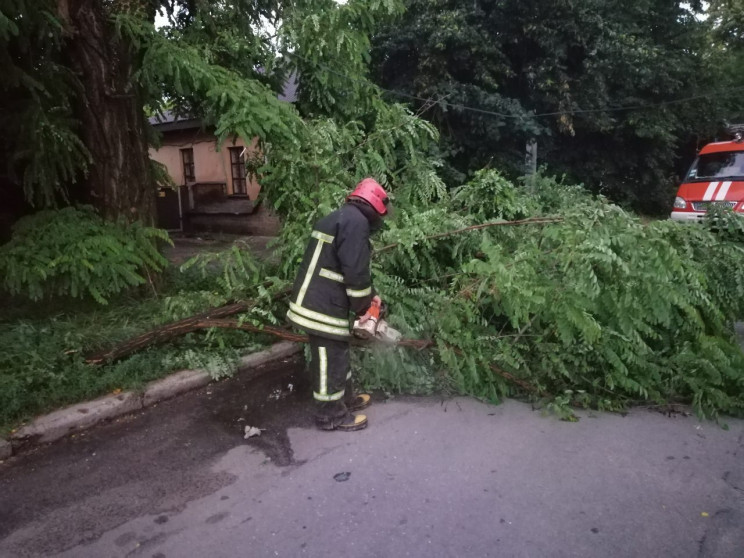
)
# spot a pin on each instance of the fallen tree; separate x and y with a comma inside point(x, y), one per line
point(594, 308)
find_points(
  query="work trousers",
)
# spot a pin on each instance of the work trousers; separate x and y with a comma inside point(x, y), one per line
point(330, 365)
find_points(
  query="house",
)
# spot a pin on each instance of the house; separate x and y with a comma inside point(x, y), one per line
point(214, 192)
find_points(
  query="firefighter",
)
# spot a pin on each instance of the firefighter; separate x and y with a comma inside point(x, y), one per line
point(334, 280)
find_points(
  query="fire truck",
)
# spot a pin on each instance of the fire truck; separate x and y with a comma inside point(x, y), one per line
point(715, 178)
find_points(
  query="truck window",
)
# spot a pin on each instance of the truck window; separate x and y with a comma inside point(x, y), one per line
point(726, 164)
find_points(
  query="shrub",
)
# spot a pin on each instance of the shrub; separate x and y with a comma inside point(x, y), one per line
point(74, 252)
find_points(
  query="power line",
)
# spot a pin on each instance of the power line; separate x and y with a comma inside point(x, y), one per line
point(446, 104)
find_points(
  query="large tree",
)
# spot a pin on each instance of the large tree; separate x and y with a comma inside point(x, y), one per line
point(565, 73)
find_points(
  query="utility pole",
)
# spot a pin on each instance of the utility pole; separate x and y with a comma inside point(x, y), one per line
point(530, 163)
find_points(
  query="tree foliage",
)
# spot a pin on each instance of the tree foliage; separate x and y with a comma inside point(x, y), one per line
point(599, 307)
point(74, 252)
point(320, 35)
point(40, 145)
point(600, 74)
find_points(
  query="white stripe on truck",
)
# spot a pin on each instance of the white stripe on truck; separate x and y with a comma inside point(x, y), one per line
point(723, 191)
point(710, 191)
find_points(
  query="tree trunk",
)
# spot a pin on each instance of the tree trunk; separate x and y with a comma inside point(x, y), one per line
point(111, 112)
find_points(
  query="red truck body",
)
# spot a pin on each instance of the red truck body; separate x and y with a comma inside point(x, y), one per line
point(716, 177)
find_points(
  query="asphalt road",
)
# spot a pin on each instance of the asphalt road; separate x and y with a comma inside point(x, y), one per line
point(429, 477)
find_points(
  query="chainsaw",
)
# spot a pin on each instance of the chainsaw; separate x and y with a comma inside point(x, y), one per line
point(375, 327)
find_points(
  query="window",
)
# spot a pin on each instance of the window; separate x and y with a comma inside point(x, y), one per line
point(187, 158)
point(237, 164)
point(726, 164)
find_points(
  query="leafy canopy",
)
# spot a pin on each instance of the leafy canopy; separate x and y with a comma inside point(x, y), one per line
point(586, 67)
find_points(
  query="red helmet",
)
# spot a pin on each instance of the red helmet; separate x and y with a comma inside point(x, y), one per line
point(371, 192)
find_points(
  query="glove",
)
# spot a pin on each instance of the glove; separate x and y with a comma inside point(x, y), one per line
point(373, 311)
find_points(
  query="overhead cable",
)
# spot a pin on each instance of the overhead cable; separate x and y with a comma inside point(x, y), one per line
point(447, 104)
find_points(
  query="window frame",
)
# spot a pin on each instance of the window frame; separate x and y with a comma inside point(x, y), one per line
point(188, 165)
point(238, 174)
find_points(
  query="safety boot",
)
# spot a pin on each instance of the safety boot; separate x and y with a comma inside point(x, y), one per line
point(347, 422)
point(359, 402)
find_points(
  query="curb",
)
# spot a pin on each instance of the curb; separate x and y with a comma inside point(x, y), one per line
point(58, 424)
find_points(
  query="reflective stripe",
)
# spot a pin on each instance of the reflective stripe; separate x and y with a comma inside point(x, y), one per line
point(317, 326)
point(328, 274)
point(709, 191)
point(348, 375)
point(322, 236)
point(317, 316)
point(360, 293)
point(332, 397)
point(323, 358)
point(310, 271)
point(721, 195)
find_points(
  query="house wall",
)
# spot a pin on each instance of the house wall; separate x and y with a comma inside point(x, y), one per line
point(210, 164)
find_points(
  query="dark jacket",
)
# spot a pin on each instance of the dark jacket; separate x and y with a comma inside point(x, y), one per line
point(334, 277)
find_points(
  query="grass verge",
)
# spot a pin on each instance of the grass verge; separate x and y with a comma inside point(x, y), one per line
point(43, 348)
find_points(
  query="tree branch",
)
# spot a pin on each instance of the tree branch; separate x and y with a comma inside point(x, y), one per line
point(166, 333)
point(530, 221)
point(214, 318)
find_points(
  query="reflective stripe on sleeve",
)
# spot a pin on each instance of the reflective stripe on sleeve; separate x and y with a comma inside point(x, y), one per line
point(323, 365)
point(328, 274)
point(360, 293)
point(317, 326)
point(317, 316)
point(322, 236)
point(332, 397)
